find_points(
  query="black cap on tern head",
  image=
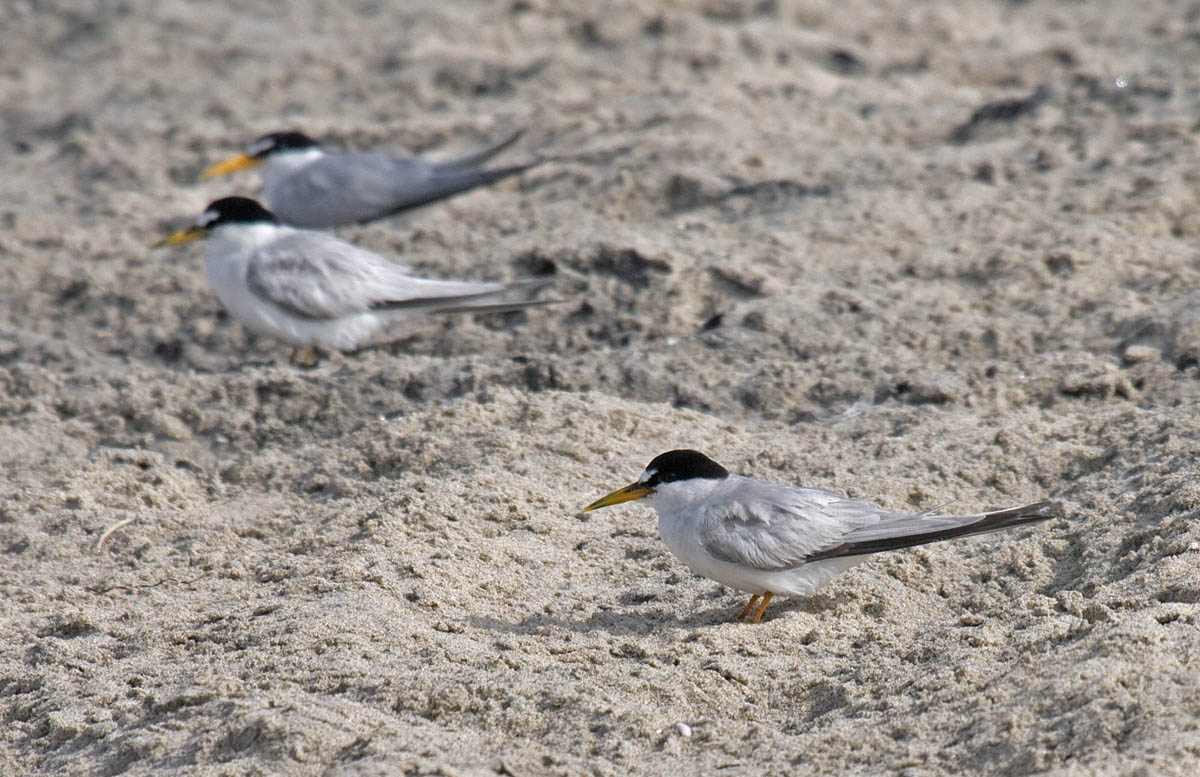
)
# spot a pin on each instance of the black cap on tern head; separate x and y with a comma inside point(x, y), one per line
point(275, 142)
point(669, 467)
point(227, 210)
point(234, 210)
point(682, 465)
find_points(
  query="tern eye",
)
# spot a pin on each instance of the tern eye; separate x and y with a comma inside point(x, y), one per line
point(260, 147)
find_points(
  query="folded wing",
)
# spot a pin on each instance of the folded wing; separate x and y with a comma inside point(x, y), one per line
point(351, 188)
point(773, 527)
point(317, 276)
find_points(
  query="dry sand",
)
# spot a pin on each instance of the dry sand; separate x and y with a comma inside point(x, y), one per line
point(768, 214)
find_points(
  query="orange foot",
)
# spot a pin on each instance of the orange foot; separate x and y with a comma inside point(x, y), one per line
point(766, 599)
point(305, 358)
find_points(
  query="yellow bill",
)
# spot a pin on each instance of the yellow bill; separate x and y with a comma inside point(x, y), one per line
point(232, 164)
point(180, 236)
point(626, 494)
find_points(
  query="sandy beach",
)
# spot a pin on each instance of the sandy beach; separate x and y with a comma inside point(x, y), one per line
point(933, 254)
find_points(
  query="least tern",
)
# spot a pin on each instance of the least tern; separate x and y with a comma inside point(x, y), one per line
point(309, 187)
point(769, 538)
point(312, 289)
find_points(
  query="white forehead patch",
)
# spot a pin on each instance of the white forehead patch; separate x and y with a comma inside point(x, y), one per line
point(260, 146)
point(649, 473)
point(206, 218)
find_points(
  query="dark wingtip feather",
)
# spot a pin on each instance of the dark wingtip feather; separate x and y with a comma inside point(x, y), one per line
point(480, 155)
point(446, 185)
point(988, 522)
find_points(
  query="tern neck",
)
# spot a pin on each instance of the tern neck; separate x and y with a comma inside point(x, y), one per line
point(681, 494)
point(235, 241)
point(280, 165)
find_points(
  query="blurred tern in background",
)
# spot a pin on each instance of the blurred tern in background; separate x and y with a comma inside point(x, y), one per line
point(306, 186)
point(312, 289)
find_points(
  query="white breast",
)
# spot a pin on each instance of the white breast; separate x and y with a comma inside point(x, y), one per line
point(226, 259)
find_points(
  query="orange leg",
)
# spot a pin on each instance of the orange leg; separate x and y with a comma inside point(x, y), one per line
point(749, 606)
point(762, 607)
point(305, 358)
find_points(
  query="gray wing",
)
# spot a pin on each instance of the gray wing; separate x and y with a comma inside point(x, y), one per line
point(351, 188)
point(317, 276)
point(775, 527)
point(770, 526)
point(348, 188)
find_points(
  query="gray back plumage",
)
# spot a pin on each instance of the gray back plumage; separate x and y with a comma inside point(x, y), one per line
point(348, 188)
point(317, 276)
point(351, 188)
